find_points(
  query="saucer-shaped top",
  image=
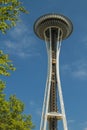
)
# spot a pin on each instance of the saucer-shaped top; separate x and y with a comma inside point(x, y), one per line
point(53, 21)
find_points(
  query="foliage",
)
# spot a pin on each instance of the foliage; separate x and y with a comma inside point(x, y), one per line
point(9, 13)
point(11, 113)
point(11, 110)
point(5, 64)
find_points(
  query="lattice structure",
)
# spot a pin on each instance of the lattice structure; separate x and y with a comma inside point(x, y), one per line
point(53, 28)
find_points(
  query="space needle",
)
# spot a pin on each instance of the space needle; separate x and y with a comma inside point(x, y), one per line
point(53, 28)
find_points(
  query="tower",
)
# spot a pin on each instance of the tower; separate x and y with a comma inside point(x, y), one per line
point(53, 28)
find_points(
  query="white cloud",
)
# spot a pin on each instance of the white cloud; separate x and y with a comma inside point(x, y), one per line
point(38, 112)
point(66, 68)
point(19, 31)
point(80, 70)
point(21, 42)
point(81, 74)
point(32, 103)
point(84, 38)
point(85, 128)
point(76, 70)
point(35, 107)
point(71, 121)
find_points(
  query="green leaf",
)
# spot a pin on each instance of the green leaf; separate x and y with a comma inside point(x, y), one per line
point(5, 64)
point(10, 11)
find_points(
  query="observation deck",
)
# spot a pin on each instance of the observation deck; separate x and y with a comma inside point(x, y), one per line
point(53, 21)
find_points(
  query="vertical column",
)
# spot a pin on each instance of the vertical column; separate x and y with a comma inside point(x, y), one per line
point(59, 85)
point(45, 110)
point(53, 92)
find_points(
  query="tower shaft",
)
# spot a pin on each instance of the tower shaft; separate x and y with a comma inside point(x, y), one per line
point(53, 88)
point(53, 28)
point(50, 111)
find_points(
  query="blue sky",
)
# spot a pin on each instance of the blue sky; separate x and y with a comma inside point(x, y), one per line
point(30, 58)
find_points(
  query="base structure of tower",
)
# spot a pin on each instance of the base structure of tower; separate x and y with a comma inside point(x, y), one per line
point(53, 28)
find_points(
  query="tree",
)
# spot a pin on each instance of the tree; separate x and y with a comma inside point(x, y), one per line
point(11, 117)
point(11, 110)
point(9, 13)
point(5, 64)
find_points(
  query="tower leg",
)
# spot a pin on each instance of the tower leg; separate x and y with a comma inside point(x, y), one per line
point(60, 89)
